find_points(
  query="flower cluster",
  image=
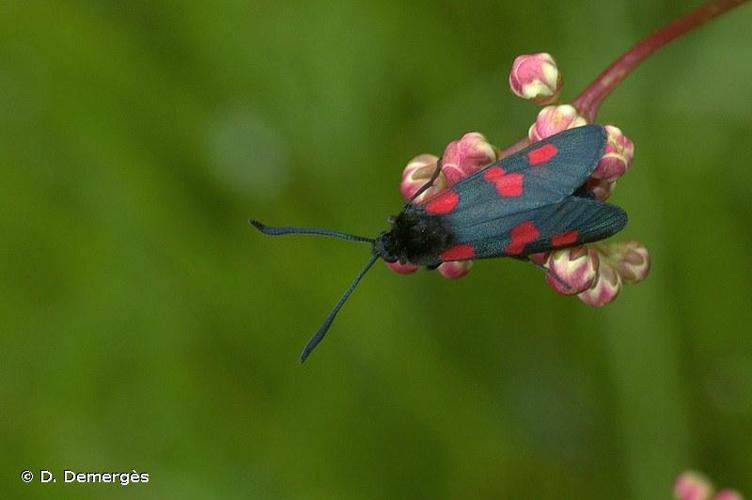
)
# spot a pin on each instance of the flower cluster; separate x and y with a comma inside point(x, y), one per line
point(593, 272)
point(692, 485)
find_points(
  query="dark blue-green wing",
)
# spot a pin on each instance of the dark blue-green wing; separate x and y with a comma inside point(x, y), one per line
point(573, 221)
point(524, 203)
point(542, 174)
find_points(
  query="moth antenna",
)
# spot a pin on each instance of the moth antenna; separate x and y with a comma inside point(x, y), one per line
point(318, 337)
point(428, 183)
point(282, 230)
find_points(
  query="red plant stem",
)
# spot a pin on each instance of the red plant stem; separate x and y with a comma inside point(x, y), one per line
point(588, 102)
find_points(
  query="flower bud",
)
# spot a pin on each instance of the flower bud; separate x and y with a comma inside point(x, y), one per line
point(554, 119)
point(728, 495)
point(630, 259)
point(536, 77)
point(572, 270)
point(466, 156)
point(417, 173)
point(455, 269)
point(600, 188)
point(691, 485)
point(402, 268)
point(605, 289)
point(617, 156)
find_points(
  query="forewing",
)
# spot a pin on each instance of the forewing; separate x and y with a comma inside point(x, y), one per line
point(570, 222)
point(542, 174)
point(490, 213)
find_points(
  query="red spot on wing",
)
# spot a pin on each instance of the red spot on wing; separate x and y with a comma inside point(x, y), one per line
point(542, 154)
point(521, 235)
point(494, 173)
point(507, 185)
point(442, 203)
point(458, 252)
point(510, 185)
point(564, 239)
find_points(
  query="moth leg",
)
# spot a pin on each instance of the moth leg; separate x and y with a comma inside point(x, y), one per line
point(584, 192)
point(428, 184)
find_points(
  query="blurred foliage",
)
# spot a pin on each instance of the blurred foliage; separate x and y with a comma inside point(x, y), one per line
point(145, 326)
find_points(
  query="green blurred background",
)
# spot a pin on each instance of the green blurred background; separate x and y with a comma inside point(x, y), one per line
point(145, 326)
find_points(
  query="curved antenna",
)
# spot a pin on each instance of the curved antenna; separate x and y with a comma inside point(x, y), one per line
point(428, 183)
point(280, 230)
point(319, 336)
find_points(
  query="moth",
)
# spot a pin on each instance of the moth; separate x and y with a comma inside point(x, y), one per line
point(529, 202)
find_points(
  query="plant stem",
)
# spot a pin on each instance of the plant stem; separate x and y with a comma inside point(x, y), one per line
point(590, 99)
point(588, 102)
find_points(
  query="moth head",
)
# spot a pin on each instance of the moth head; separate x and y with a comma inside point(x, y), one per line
point(385, 247)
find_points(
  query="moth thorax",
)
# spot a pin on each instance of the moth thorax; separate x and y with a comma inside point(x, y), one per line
point(419, 238)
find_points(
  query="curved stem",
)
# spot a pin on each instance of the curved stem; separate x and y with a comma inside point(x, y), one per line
point(521, 144)
point(590, 99)
point(588, 102)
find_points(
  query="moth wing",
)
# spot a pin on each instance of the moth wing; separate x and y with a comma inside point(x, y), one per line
point(542, 174)
point(573, 221)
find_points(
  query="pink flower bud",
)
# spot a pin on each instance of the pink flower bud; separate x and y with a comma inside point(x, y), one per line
point(630, 259)
point(605, 289)
point(728, 495)
point(466, 156)
point(455, 269)
point(402, 268)
point(554, 119)
point(691, 485)
point(536, 77)
point(617, 157)
point(572, 270)
point(600, 188)
point(417, 173)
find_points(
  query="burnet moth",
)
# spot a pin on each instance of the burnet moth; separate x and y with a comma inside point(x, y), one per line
point(532, 201)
